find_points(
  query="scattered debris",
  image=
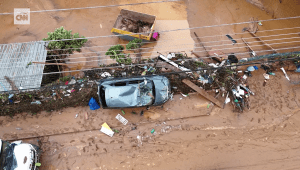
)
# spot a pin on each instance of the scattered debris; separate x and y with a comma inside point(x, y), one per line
point(152, 131)
point(86, 116)
point(202, 92)
point(122, 119)
point(232, 40)
point(184, 95)
point(105, 74)
point(286, 76)
point(76, 116)
point(267, 77)
point(72, 82)
point(36, 102)
point(107, 130)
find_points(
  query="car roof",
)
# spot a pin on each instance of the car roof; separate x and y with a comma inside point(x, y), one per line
point(130, 95)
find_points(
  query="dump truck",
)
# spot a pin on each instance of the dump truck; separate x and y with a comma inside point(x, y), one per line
point(130, 25)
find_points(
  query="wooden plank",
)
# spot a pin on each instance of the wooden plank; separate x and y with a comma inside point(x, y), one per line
point(253, 35)
point(202, 92)
point(62, 64)
point(201, 44)
point(12, 84)
point(249, 48)
point(169, 66)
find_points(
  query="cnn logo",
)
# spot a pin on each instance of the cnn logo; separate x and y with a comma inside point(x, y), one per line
point(22, 16)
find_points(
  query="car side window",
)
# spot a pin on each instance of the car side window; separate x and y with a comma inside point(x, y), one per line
point(120, 84)
point(134, 82)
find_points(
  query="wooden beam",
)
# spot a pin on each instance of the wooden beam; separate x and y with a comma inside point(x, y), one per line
point(202, 92)
point(12, 84)
point(249, 48)
point(201, 44)
point(253, 35)
point(62, 64)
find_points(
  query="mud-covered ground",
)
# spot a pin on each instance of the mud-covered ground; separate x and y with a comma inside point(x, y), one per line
point(188, 133)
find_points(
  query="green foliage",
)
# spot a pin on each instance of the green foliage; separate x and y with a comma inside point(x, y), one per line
point(29, 95)
point(58, 46)
point(229, 71)
point(66, 78)
point(134, 44)
point(197, 63)
point(116, 131)
point(116, 52)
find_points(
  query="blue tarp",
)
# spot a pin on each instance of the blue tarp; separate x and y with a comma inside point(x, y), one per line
point(93, 104)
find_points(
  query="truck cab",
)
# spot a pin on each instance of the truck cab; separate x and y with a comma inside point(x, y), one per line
point(19, 156)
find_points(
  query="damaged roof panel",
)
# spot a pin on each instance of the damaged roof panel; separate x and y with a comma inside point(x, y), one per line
point(14, 60)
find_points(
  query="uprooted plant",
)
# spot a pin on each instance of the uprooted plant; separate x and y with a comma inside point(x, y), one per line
point(116, 52)
point(134, 44)
point(59, 50)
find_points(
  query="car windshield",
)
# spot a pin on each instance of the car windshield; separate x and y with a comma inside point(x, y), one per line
point(145, 95)
point(7, 157)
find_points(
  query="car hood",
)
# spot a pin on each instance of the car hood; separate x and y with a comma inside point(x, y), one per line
point(24, 156)
point(162, 89)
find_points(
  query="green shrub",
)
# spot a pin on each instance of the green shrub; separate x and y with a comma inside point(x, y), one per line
point(59, 46)
point(134, 44)
point(116, 52)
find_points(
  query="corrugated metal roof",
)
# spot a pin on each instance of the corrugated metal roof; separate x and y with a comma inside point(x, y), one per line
point(14, 59)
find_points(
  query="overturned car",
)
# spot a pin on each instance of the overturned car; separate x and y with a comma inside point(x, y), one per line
point(19, 156)
point(134, 92)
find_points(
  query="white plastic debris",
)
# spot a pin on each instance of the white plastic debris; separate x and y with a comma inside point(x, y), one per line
point(171, 96)
point(286, 76)
point(139, 138)
point(36, 102)
point(241, 92)
point(213, 65)
point(183, 95)
point(170, 55)
point(107, 131)
point(122, 119)
point(76, 116)
point(227, 100)
point(267, 76)
point(10, 96)
point(105, 74)
point(72, 81)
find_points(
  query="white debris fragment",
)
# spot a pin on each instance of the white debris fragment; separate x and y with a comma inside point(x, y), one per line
point(286, 76)
point(105, 74)
point(107, 131)
point(122, 119)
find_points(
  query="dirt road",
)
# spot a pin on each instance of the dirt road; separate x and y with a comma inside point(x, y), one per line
point(188, 134)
